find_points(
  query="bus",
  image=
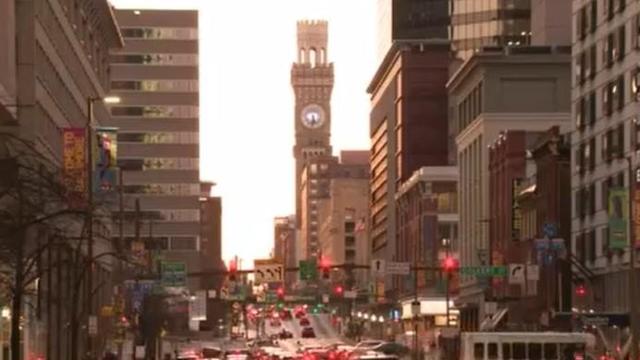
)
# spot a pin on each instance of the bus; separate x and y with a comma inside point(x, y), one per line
point(526, 346)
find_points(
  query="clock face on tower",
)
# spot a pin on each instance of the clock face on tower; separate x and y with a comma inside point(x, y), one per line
point(312, 116)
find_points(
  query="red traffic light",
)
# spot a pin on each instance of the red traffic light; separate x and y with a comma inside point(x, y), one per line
point(325, 267)
point(339, 290)
point(233, 269)
point(280, 292)
point(449, 263)
point(581, 290)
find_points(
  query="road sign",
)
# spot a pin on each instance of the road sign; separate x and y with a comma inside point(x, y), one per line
point(550, 230)
point(224, 293)
point(533, 272)
point(268, 271)
point(174, 273)
point(308, 270)
point(378, 267)
point(350, 294)
point(484, 271)
point(516, 274)
point(398, 268)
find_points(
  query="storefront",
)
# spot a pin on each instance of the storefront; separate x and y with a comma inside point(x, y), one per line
point(422, 330)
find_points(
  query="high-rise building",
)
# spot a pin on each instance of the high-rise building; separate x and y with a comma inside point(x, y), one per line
point(342, 232)
point(53, 60)
point(284, 245)
point(479, 23)
point(408, 129)
point(605, 137)
point(156, 75)
point(312, 82)
point(410, 20)
point(508, 89)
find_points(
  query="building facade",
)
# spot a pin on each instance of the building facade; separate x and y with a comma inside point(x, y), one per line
point(156, 75)
point(408, 129)
point(312, 82)
point(284, 245)
point(53, 60)
point(211, 252)
point(410, 20)
point(605, 133)
point(479, 23)
point(508, 89)
point(342, 233)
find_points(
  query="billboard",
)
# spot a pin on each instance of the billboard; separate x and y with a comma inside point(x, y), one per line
point(618, 217)
point(105, 159)
point(74, 164)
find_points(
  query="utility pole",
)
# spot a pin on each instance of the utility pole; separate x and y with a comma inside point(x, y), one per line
point(89, 170)
point(634, 180)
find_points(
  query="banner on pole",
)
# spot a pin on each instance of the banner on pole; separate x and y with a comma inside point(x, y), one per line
point(105, 159)
point(618, 217)
point(74, 164)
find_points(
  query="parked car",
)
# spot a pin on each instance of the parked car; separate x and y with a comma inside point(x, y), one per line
point(285, 334)
point(304, 322)
point(308, 332)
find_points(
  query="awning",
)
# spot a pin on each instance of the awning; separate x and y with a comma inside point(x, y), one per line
point(429, 307)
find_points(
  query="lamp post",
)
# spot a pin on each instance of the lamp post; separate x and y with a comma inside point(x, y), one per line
point(446, 243)
point(89, 174)
point(634, 179)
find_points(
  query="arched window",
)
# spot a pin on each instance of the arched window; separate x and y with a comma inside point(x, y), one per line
point(312, 57)
point(323, 56)
point(301, 57)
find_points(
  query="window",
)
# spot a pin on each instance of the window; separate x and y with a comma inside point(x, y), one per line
point(581, 67)
point(621, 43)
point(608, 8)
point(581, 23)
point(617, 92)
point(635, 32)
point(591, 246)
point(184, 243)
point(159, 33)
point(519, 351)
point(478, 351)
point(506, 350)
point(607, 103)
point(349, 227)
point(492, 350)
point(156, 59)
point(609, 49)
point(604, 233)
point(636, 133)
point(535, 351)
point(550, 351)
point(349, 241)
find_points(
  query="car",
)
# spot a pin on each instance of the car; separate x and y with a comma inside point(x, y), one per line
point(237, 354)
point(211, 353)
point(368, 344)
point(285, 334)
point(275, 323)
point(308, 332)
point(304, 322)
point(188, 355)
point(371, 355)
point(392, 348)
point(285, 314)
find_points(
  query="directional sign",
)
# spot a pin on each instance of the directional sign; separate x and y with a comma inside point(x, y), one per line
point(174, 273)
point(308, 270)
point(484, 271)
point(268, 271)
point(516, 274)
point(378, 267)
point(398, 268)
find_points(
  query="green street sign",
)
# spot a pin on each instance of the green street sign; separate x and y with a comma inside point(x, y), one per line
point(173, 273)
point(484, 271)
point(308, 270)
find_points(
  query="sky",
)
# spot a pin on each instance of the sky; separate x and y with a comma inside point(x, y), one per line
point(247, 105)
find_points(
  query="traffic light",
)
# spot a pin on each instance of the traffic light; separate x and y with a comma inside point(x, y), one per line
point(338, 290)
point(280, 293)
point(449, 264)
point(233, 269)
point(581, 290)
point(325, 268)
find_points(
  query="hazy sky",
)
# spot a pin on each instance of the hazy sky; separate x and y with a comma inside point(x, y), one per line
point(246, 102)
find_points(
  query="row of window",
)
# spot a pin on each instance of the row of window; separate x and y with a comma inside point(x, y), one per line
point(183, 137)
point(156, 59)
point(156, 85)
point(166, 242)
point(587, 16)
point(131, 164)
point(155, 111)
point(164, 33)
point(190, 215)
point(586, 245)
point(470, 107)
point(585, 199)
point(613, 99)
point(612, 147)
point(163, 189)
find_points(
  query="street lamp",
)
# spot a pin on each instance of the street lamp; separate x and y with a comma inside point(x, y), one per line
point(89, 171)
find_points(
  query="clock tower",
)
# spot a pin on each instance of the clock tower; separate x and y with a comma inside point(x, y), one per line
point(312, 81)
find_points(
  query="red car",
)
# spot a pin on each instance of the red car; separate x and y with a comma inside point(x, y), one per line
point(304, 322)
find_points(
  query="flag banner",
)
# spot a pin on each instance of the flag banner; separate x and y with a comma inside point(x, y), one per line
point(74, 164)
point(618, 217)
point(105, 159)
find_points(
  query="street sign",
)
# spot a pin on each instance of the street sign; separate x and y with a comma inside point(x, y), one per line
point(550, 230)
point(308, 270)
point(378, 267)
point(398, 268)
point(93, 325)
point(533, 272)
point(174, 273)
point(350, 294)
point(224, 293)
point(268, 271)
point(516, 274)
point(484, 271)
